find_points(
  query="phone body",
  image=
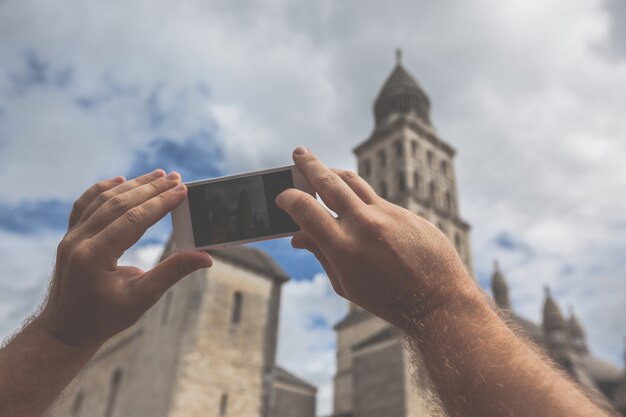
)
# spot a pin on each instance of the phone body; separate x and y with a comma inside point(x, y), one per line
point(236, 209)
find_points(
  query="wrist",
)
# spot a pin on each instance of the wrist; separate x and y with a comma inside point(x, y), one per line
point(463, 302)
point(44, 327)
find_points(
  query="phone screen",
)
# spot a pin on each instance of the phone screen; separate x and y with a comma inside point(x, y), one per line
point(239, 208)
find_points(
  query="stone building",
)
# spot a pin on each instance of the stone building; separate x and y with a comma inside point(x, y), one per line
point(406, 162)
point(207, 348)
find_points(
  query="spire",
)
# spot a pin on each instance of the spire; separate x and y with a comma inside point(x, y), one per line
point(552, 317)
point(575, 328)
point(576, 332)
point(499, 288)
point(401, 94)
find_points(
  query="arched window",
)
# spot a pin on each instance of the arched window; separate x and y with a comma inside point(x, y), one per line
point(165, 315)
point(430, 158)
point(399, 148)
point(383, 190)
point(433, 193)
point(224, 404)
point(382, 158)
point(401, 182)
point(416, 183)
point(414, 148)
point(449, 203)
point(78, 404)
point(116, 380)
point(235, 316)
point(443, 167)
point(367, 167)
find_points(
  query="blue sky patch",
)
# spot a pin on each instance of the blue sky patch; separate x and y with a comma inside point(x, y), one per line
point(299, 264)
point(28, 217)
point(37, 72)
point(194, 158)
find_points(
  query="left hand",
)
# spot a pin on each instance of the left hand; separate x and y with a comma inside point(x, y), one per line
point(91, 297)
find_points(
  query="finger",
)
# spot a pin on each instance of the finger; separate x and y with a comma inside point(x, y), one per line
point(303, 241)
point(121, 203)
point(358, 185)
point(87, 197)
point(334, 192)
point(309, 214)
point(171, 270)
point(124, 232)
point(123, 187)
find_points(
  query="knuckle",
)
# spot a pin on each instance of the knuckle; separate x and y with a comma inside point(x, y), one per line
point(373, 224)
point(134, 216)
point(301, 204)
point(155, 186)
point(349, 175)
point(78, 205)
point(103, 197)
point(64, 247)
point(328, 180)
point(118, 202)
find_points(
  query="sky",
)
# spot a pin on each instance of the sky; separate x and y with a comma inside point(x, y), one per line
point(530, 93)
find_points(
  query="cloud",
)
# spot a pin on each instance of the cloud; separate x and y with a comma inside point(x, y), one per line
point(527, 93)
point(616, 37)
point(306, 343)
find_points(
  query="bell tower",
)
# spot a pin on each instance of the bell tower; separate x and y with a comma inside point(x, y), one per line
point(407, 163)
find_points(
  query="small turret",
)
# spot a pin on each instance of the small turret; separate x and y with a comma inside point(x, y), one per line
point(552, 317)
point(576, 333)
point(500, 289)
point(555, 329)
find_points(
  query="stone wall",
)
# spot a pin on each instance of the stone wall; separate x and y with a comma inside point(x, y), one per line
point(221, 366)
point(292, 401)
point(379, 380)
point(346, 338)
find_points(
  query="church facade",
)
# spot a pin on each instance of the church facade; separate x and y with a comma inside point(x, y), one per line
point(406, 162)
point(207, 348)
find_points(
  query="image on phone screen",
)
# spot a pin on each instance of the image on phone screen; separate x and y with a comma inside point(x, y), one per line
point(239, 209)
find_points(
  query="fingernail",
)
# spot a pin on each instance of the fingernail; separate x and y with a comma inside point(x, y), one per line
point(119, 179)
point(172, 176)
point(300, 150)
point(157, 173)
point(179, 187)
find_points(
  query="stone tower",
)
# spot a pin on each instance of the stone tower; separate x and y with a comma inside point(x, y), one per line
point(407, 163)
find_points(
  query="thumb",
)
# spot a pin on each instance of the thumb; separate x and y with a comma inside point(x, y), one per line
point(171, 270)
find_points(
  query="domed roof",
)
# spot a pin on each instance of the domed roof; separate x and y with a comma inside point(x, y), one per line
point(499, 288)
point(401, 94)
point(552, 317)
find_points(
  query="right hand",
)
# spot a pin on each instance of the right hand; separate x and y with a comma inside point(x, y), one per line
point(380, 256)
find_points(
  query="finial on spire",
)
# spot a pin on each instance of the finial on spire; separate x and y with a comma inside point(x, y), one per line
point(496, 265)
point(570, 308)
point(398, 56)
point(546, 290)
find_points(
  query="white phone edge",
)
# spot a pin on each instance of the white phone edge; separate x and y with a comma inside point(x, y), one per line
point(181, 216)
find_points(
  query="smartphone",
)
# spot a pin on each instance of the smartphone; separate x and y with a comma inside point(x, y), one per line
point(236, 209)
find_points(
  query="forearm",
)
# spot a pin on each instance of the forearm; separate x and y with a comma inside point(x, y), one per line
point(34, 368)
point(480, 367)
